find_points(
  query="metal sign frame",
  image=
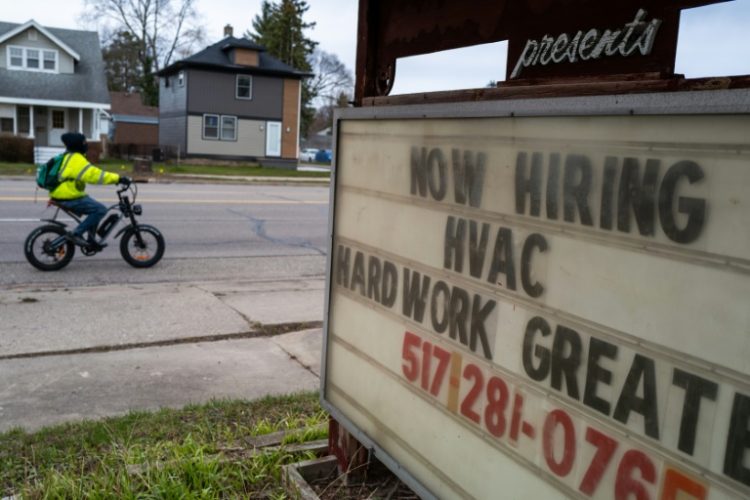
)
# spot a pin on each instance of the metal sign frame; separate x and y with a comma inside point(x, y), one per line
point(715, 102)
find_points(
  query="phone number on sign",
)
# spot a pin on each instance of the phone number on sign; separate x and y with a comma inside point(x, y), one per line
point(580, 456)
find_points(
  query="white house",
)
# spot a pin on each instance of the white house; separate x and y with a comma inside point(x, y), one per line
point(52, 80)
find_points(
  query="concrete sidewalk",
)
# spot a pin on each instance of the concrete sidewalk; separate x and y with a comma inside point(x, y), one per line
point(98, 351)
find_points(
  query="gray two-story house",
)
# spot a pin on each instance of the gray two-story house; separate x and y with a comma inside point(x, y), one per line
point(231, 101)
point(52, 80)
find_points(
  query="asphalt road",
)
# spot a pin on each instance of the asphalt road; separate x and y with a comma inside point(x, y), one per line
point(101, 338)
point(213, 232)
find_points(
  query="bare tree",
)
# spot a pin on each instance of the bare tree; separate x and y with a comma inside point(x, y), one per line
point(162, 29)
point(332, 78)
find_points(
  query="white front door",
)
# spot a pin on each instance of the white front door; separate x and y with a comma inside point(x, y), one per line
point(273, 139)
point(57, 126)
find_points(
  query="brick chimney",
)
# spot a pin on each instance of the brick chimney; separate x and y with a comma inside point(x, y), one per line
point(228, 30)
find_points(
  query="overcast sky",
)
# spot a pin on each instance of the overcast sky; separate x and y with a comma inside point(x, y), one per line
point(714, 40)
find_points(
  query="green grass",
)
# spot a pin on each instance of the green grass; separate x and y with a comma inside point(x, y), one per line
point(190, 453)
point(126, 167)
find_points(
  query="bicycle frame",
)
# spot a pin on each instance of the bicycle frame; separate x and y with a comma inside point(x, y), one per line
point(125, 206)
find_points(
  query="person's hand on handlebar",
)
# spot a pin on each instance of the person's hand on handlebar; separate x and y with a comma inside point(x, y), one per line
point(125, 180)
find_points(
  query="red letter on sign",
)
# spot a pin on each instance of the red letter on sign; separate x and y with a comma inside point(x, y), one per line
point(444, 358)
point(606, 447)
point(472, 372)
point(676, 482)
point(411, 367)
point(626, 486)
point(563, 467)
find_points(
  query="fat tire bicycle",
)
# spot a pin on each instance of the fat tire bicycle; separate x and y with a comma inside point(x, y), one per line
point(51, 247)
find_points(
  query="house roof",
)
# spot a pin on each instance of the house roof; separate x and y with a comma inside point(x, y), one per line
point(87, 85)
point(130, 104)
point(216, 57)
point(231, 42)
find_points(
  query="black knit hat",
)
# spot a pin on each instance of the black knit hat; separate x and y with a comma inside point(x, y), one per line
point(75, 142)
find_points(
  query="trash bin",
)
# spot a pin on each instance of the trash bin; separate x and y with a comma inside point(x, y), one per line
point(157, 155)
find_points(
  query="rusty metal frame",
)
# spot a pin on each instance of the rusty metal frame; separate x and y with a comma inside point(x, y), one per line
point(392, 29)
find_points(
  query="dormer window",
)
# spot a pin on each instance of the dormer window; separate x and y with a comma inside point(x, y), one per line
point(31, 59)
point(50, 60)
point(15, 57)
point(244, 87)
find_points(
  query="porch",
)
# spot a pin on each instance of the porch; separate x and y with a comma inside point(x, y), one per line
point(45, 125)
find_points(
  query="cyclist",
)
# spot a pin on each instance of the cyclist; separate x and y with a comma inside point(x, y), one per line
point(74, 175)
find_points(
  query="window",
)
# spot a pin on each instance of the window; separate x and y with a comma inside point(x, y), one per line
point(50, 60)
point(210, 126)
point(244, 87)
point(24, 119)
point(228, 128)
point(58, 118)
point(16, 57)
point(6, 125)
point(181, 78)
point(222, 128)
point(32, 58)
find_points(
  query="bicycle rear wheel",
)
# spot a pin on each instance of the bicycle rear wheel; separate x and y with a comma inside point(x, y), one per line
point(39, 252)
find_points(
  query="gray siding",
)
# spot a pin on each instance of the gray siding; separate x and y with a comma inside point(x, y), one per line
point(65, 62)
point(172, 133)
point(172, 99)
point(211, 92)
point(172, 113)
point(251, 140)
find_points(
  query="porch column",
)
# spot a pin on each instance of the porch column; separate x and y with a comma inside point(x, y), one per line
point(15, 120)
point(31, 122)
point(94, 125)
point(80, 120)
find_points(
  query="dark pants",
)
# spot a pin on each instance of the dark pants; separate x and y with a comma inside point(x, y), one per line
point(88, 206)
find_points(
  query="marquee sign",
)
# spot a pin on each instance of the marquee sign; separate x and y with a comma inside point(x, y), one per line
point(545, 305)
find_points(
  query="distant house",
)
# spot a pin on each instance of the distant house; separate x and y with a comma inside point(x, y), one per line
point(322, 139)
point(134, 125)
point(52, 80)
point(231, 101)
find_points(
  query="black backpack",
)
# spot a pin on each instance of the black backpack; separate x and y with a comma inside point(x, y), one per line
point(48, 174)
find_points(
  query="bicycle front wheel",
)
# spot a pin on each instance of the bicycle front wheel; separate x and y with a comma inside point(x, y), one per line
point(146, 252)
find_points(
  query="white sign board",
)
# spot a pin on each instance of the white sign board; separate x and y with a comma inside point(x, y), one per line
point(536, 307)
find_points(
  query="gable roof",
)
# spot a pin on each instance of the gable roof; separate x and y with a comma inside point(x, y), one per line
point(216, 57)
point(130, 103)
point(87, 85)
point(127, 107)
point(31, 23)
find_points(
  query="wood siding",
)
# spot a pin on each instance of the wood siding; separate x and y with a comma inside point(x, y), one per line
point(290, 119)
point(246, 57)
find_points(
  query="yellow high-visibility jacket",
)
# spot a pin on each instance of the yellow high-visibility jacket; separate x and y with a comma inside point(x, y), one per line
point(76, 173)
